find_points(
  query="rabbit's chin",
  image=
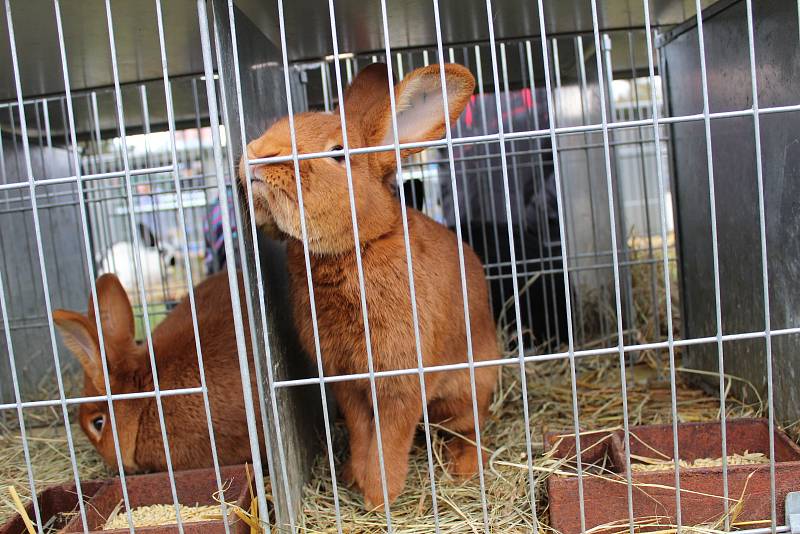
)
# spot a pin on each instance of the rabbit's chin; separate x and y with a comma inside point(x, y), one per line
point(280, 210)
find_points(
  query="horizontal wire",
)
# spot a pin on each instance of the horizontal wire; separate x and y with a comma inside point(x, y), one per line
point(539, 357)
point(526, 134)
point(104, 398)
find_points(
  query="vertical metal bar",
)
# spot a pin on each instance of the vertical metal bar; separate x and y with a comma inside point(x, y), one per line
point(66, 135)
point(479, 182)
point(145, 109)
point(240, 239)
point(20, 192)
point(48, 215)
point(105, 214)
point(513, 258)
point(20, 418)
point(762, 225)
point(400, 71)
point(489, 181)
point(45, 290)
point(323, 71)
point(187, 262)
point(714, 240)
point(515, 171)
point(544, 216)
point(562, 234)
point(645, 193)
point(570, 205)
point(244, 369)
point(589, 178)
point(410, 67)
point(137, 261)
point(665, 256)
point(615, 260)
point(306, 257)
point(623, 228)
point(3, 175)
point(464, 177)
point(204, 176)
point(410, 268)
point(359, 266)
point(462, 269)
point(46, 115)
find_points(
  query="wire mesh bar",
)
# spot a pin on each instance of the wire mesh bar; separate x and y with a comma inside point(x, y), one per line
point(606, 90)
point(359, 265)
point(484, 363)
point(245, 270)
point(762, 227)
point(46, 293)
point(468, 210)
point(715, 254)
point(182, 162)
point(544, 217)
point(515, 173)
point(307, 264)
point(581, 63)
point(101, 398)
point(489, 182)
point(233, 283)
point(542, 357)
point(562, 235)
point(410, 265)
point(513, 259)
point(640, 140)
point(662, 211)
point(461, 266)
point(615, 258)
point(522, 134)
point(139, 270)
point(18, 406)
point(187, 265)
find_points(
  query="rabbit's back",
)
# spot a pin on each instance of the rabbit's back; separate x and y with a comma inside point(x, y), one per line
point(177, 365)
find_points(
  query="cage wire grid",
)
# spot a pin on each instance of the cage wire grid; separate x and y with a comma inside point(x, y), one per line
point(88, 175)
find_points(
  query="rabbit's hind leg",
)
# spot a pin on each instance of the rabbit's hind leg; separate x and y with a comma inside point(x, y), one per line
point(455, 413)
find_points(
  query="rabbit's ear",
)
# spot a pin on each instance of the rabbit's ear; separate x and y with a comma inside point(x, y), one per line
point(116, 314)
point(420, 108)
point(370, 87)
point(80, 337)
point(147, 236)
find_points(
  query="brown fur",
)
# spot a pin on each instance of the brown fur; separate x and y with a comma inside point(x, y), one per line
point(175, 352)
point(333, 264)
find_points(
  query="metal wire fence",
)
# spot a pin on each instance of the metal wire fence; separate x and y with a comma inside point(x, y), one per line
point(557, 175)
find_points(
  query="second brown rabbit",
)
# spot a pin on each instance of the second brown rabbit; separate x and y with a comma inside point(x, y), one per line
point(436, 266)
point(137, 421)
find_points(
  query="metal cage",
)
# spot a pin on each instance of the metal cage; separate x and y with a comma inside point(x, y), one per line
point(625, 171)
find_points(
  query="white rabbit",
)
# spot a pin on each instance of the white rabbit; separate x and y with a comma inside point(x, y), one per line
point(153, 260)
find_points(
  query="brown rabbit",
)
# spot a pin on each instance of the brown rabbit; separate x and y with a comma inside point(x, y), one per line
point(437, 276)
point(175, 352)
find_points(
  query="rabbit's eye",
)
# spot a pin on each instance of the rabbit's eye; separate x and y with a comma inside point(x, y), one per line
point(340, 158)
point(98, 423)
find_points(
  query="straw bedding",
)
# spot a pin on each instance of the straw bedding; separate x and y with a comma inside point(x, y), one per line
point(49, 454)
point(507, 488)
point(509, 506)
point(162, 514)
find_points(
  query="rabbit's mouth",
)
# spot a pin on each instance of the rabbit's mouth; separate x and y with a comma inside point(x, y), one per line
point(282, 207)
